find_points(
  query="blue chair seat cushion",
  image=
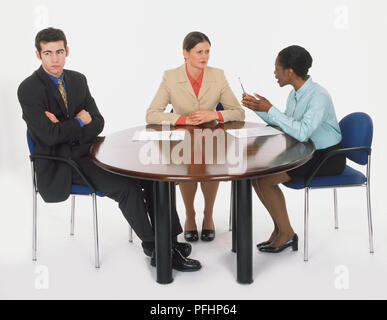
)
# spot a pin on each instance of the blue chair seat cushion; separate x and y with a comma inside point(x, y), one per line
point(79, 189)
point(347, 177)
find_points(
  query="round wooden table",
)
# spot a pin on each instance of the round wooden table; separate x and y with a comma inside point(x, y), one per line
point(207, 153)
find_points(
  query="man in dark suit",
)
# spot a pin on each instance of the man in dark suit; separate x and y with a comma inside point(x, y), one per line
point(63, 120)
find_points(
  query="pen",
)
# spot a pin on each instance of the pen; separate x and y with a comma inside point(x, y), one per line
point(241, 85)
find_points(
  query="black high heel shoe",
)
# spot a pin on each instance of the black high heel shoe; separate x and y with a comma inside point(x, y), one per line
point(293, 242)
point(263, 244)
point(191, 236)
point(207, 234)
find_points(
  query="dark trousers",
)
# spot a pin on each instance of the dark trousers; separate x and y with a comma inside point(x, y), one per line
point(134, 197)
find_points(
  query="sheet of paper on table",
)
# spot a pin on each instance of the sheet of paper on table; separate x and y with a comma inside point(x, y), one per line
point(254, 132)
point(158, 135)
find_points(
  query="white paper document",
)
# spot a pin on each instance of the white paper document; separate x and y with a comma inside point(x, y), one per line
point(159, 135)
point(254, 132)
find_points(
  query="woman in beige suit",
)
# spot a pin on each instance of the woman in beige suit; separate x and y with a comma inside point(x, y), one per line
point(194, 90)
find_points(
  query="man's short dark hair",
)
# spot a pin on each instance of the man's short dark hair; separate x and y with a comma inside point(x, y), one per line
point(296, 58)
point(49, 35)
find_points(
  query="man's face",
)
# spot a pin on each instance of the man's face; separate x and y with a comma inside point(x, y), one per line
point(53, 57)
point(282, 75)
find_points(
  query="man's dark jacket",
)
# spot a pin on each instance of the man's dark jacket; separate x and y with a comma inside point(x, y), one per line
point(38, 94)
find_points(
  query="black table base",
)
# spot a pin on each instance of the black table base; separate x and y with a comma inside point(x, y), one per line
point(162, 193)
point(242, 229)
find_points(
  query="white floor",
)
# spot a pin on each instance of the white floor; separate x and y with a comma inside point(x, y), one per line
point(340, 265)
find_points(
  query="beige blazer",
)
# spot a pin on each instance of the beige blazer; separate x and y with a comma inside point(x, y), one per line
point(176, 89)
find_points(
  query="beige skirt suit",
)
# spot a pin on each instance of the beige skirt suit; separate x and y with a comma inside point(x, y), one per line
point(176, 89)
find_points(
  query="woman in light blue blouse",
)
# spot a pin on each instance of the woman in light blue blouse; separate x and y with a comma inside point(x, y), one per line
point(309, 115)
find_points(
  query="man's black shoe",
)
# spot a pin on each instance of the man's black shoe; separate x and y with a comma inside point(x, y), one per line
point(183, 247)
point(179, 262)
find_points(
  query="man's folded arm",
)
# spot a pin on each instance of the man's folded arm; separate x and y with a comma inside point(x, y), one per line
point(48, 132)
point(95, 127)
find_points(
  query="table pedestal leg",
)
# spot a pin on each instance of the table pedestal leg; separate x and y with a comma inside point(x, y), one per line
point(244, 229)
point(233, 214)
point(163, 245)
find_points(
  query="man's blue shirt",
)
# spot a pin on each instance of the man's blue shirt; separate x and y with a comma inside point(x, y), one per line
point(55, 80)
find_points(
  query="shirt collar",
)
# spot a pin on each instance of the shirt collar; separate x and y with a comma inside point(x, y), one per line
point(198, 81)
point(55, 79)
point(304, 88)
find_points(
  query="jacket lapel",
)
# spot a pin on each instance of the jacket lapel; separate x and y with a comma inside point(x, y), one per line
point(206, 83)
point(50, 85)
point(184, 81)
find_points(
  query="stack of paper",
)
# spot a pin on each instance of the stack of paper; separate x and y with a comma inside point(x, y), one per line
point(159, 135)
point(254, 132)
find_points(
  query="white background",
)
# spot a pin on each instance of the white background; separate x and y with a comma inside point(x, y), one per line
point(123, 47)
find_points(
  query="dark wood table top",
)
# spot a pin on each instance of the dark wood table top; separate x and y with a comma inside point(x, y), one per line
point(179, 161)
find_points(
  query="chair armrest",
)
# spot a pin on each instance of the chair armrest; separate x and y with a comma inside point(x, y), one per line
point(330, 155)
point(70, 162)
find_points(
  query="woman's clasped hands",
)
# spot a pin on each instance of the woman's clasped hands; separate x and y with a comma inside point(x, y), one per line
point(201, 116)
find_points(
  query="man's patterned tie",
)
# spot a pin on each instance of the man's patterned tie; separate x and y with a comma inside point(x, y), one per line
point(63, 94)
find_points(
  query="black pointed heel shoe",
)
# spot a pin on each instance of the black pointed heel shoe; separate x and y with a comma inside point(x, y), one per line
point(191, 236)
point(207, 235)
point(263, 244)
point(293, 242)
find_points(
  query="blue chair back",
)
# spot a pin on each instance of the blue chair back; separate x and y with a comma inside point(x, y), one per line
point(219, 107)
point(31, 143)
point(357, 131)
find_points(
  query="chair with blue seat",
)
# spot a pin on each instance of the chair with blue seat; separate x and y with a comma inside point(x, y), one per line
point(357, 131)
point(76, 190)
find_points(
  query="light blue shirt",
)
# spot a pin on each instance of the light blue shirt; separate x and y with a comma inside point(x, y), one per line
point(309, 114)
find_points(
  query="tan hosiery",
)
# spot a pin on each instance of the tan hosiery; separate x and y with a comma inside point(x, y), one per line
point(260, 196)
point(188, 192)
point(273, 199)
point(209, 190)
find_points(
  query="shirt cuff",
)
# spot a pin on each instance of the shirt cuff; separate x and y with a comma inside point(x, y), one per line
point(274, 112)
point(181, 121)
point(220, 117)
point(80, 122)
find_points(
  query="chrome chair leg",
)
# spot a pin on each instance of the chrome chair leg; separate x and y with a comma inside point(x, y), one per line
point(335, 206)
point(306, 223)
point(72, 214)
point(370, 230)
point(130, 234)
point(34, 214)
point(95, 224)
point(34, 224)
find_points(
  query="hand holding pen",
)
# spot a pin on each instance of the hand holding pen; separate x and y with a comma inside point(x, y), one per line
point(256, 102)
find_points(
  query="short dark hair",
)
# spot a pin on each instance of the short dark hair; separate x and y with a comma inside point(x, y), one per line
point(193, 38)
point(49, 35)
point(296, 58)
